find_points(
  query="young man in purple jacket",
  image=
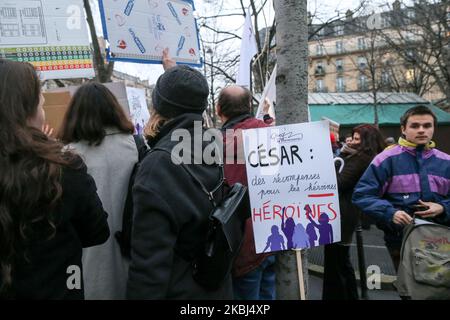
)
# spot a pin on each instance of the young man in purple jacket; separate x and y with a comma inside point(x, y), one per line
point(411, 178)
point(253, 274)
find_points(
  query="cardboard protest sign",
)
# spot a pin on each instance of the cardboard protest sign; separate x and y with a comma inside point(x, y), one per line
point(117, 88)
point(292, 186)
point(55, 108)
point(138, 108)
point(51, 35)
point(138, 31)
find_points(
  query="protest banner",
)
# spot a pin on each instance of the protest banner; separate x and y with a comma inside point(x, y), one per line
point(57, 101)
point(117, 88)
point(292, 186)
point(55, 107)
point(139, 114)
point(138, 31)
point(334, 126)
point(51, 35)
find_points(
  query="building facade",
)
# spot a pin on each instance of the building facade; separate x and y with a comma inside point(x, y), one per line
point(354, 54)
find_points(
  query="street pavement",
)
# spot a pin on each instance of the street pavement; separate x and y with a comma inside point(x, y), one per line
point(375, 254)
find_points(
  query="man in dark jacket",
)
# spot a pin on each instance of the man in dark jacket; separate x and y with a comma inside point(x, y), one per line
point(253, 274)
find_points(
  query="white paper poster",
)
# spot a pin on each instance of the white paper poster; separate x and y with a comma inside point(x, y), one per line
point(52, 35)
point(138, 31)
point(292, 186)
point(138, 108)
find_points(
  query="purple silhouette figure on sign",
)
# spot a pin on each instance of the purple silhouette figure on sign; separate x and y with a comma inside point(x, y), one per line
point(275, 240)
point(325, 229)
point(310, 228)
point(300, 238)
point(138, 129)
point(288, 230)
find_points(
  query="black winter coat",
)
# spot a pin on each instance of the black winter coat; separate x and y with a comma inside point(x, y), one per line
point(170, 222)
point(354, 167)
point(80, 222)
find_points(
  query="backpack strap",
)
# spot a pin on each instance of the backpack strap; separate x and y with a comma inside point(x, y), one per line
point(141, 146)
point(210, 194)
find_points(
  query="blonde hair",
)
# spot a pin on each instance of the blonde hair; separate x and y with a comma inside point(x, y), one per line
point(154, 124)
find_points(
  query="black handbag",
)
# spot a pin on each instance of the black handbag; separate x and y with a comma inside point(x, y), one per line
point(226, 225)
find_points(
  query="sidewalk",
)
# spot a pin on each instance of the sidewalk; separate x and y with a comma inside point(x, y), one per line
point(375, 254)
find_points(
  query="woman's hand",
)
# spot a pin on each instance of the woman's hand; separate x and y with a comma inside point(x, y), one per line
point(167, 60)
point(47, 130)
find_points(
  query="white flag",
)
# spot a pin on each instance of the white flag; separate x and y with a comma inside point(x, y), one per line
point(270, 92)
point(248, 50)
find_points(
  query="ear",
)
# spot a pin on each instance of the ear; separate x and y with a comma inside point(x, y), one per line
point(403, 130)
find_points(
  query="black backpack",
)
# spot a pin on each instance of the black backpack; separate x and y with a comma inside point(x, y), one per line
point(124, 237)
point(213, 261)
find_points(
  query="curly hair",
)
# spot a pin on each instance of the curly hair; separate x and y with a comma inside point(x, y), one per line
point(372, 141)
point(30, 163)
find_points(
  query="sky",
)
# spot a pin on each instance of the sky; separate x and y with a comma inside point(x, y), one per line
point(324, 10)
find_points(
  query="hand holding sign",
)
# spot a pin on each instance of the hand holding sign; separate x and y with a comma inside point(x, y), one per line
point(167, 60)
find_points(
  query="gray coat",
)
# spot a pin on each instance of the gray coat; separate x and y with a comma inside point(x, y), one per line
point(110, 164)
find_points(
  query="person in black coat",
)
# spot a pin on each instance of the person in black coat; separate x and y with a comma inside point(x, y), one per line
point(339, 280)
point(49, 208)
point(170, 210)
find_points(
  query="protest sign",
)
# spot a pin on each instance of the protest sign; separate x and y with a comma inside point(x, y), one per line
point(138, 31)
point(138, 108)
point(117, 88)
point(334, 127)
point(51, 35)
point(55, 107)
point(292, 186)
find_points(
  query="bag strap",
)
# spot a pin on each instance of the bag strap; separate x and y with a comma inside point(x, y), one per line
point(210, 194)
point(141, 146)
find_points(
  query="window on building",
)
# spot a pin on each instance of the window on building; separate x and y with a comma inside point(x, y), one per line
point(339, 30)
point(409, 36)
point(339, 47)
point(320, 70)
point(361, 44)
point(320, 31)
point(320, 87)
point(385, 78)
point(410, 75)
point(362, 62)
point(319, 49)
point(362, 82)
point(410, 55)
point(339, 65)
point(340, 84)
point(385, 22)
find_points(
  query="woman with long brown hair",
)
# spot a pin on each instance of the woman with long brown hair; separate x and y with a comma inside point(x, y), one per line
point(339, 280)
point(49, 208)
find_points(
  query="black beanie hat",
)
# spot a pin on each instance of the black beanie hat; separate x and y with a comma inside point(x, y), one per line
point(179, 90)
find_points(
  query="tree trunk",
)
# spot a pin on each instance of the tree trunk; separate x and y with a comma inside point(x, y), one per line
point(103, 70)
point(292, 107)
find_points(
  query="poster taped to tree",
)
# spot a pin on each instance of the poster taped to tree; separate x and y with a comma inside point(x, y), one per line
point(292, 186)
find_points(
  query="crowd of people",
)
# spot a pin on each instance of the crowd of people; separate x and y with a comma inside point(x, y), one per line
point(62, 200)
